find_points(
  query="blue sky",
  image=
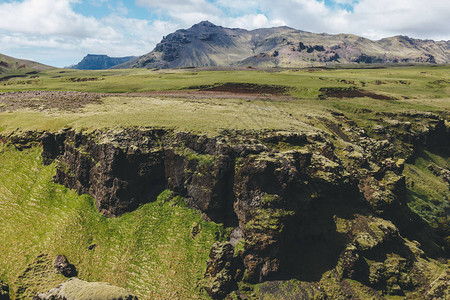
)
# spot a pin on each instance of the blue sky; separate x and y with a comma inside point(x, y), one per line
point(62, 32)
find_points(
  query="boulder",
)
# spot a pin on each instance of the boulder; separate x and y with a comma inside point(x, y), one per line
point(63, 266)
point(222, 271)
point(78, 289)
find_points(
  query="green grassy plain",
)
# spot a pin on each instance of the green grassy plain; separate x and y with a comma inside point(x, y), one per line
point(415, 88)
point(414, 82)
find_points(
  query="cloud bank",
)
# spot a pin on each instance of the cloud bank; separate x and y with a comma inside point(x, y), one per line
point(56, 33)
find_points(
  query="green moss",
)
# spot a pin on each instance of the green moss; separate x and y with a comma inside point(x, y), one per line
point(268, 199)
point(239, 248)
point(265, 220)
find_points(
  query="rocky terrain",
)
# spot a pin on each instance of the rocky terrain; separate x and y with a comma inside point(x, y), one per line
point(100, 62)
point(328, 209)
point(206, 44)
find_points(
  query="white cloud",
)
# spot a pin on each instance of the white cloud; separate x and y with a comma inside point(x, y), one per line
point(51, 32)
point(416, 18)
point(309, 15)
point(250, 22)
point(238, 6)
point(48, 17)
point(184, 12)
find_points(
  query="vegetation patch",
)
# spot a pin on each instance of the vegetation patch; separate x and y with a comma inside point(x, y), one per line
point(8, 77)
point(350, 92)
point(245, 88)
point(83, 79)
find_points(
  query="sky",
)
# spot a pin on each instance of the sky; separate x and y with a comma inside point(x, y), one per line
point(61, 32)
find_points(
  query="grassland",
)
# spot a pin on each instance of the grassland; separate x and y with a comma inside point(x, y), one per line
point(414, 88)
point(413, 82)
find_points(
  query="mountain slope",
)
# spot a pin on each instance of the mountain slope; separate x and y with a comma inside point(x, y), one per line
point(10, 64)
point(100, 62)
point(206, 44)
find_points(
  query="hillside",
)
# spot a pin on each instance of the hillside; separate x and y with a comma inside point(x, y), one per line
point(317, 183)
point(10, 64)
point(100, 62)
point(206, 44)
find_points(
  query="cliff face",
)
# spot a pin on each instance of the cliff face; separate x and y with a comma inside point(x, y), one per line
point(205, 44)
point(298, 204)
point(100, 62)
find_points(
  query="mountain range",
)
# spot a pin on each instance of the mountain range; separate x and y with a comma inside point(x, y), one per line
point(206, 44)
point(100, 62)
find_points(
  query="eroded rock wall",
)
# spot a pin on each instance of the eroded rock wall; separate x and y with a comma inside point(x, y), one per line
point(300, 204)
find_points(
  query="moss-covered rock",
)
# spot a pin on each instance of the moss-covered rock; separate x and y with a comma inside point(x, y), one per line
point(439, 288)
point(77, 289)
point(223, 271)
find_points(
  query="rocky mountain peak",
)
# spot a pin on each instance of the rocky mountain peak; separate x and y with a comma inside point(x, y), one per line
point(204, 24)
point(206, 44)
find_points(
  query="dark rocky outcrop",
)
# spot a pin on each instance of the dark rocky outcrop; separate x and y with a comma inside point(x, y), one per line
point(78, 289)
point(4, 291)
point(223, 271)
point(63, 266)
point(299, 204)
point(119, 175)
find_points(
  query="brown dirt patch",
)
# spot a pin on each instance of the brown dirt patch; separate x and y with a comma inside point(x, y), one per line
point(343, 92)
point(244, 88)
point(45, 100)
point(73, 101)
point(209, 95)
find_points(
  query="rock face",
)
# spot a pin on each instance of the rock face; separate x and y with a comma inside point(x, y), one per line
point(206, 44)
point(4, 291)
point(222, 272)
point(119, 175)
point(100, 62)
point(63, 266)
point(81, 290)
point(300, 204)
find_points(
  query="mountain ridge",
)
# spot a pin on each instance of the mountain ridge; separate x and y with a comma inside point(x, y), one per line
point(206, 44)
point(10, 64)
point(100, 62)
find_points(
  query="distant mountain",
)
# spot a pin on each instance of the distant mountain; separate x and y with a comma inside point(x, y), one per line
point(100, 62)
point(206, 44)
point(10, 64)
